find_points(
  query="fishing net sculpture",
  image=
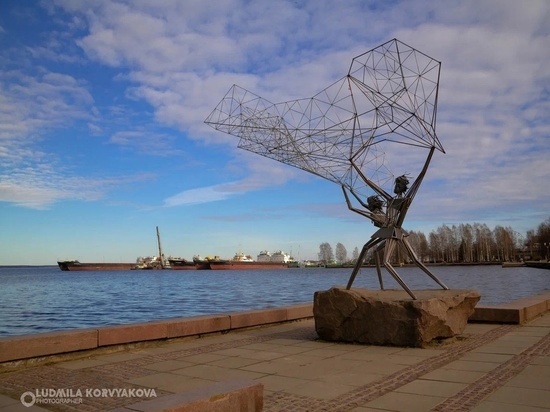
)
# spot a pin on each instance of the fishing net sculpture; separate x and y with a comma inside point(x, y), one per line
point(379, 117)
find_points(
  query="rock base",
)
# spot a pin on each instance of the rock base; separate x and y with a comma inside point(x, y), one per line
point(391, 317)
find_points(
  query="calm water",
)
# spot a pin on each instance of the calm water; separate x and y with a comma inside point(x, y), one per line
point(42, 299)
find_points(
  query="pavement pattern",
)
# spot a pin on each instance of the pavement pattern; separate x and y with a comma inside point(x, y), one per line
point(488, 368)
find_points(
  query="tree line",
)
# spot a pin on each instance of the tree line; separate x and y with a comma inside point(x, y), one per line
point(463, 243)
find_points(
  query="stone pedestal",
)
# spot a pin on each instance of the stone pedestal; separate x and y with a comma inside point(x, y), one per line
point(391, 317)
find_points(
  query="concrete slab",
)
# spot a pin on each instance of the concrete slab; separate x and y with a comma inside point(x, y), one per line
point(216, 373)
point(276, 383)
point(202, 358)
point(432, 388)
point(404, 402)
point(484, 356)
point(464, 365)
point(532, 377)
point(488, 406)
point(320, 390)
point(167, 366)
point(452, 375)
point(521, 397)
point(83, 363)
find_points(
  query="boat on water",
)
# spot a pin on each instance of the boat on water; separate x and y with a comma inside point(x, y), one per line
point(150, 263)
point(178, 263)
point(75, 265)
point(265, 260)
point(142, 263)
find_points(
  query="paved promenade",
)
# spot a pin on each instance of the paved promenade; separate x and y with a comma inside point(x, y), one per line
point(489, 368)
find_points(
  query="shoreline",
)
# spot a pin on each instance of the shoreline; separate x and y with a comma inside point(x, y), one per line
point(528, 263)
point(24, 350)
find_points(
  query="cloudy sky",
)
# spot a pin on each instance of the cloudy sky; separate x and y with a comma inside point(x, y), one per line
point(102, 134)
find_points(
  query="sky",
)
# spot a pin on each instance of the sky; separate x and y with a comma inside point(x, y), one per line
point(102, 133)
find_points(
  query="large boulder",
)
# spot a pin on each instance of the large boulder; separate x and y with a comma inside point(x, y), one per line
point(392, 317)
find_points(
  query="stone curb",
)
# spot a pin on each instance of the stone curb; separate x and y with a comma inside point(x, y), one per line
point(15, 348)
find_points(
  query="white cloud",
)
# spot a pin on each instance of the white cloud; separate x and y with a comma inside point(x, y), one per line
point(200, 195)
point(182, 57)
point(260, 174)
point(29, 104)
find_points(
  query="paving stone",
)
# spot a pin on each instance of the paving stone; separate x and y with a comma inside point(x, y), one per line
point(169, 365)
point(277, 383)
point(319, 390)
point(216, 373)
point(504, 407)
point(82, 363)
point(532, 377)
point(405, 402)
point(450, 375)
point(432, 388)
point(474, 366)
point(521, 397)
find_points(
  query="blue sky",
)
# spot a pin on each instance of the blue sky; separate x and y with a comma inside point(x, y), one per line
point(102, 133)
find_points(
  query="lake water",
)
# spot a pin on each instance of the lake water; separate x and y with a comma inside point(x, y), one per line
point(43, 299)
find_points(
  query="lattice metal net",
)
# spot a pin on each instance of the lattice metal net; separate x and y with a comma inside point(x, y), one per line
point(383, 107)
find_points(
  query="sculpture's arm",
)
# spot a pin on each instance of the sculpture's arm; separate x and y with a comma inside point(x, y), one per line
point(377, 218)
point(406, 202)
point(414, 187)
point(371, 184)
point(365, 213)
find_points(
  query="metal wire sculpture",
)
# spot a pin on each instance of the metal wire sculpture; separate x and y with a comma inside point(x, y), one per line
point(353, 133)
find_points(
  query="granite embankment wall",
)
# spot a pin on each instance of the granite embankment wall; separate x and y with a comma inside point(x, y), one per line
point(14, 348)
point(39, 346)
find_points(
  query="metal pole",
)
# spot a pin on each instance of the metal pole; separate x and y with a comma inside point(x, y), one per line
point(160, 249)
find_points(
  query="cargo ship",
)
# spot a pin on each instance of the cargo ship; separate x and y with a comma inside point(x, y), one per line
point(177, 263)
point(75, 265)
point(265, 260)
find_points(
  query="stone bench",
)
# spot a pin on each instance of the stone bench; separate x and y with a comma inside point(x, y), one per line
point(516, 312)
point(229, 396)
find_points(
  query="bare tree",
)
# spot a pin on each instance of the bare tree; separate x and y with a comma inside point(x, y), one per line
point(325, 252)
point(543, 238)
point(531, 243)
point(341, 253)
point(467, 237)
point(505, 243)
point(435, 247)
point(355, 254)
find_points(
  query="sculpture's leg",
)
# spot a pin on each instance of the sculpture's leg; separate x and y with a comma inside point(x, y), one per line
point(360, 259)
point(377, 255)
point(390, 246)
point(421, 265)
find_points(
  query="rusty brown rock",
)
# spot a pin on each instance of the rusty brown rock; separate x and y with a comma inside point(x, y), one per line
point(391, 317)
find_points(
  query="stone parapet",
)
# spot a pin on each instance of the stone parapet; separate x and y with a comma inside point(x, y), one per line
point(257, 317)
point(197, 325)
point(120, 334)
point(44, 344)
point(15, 348)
